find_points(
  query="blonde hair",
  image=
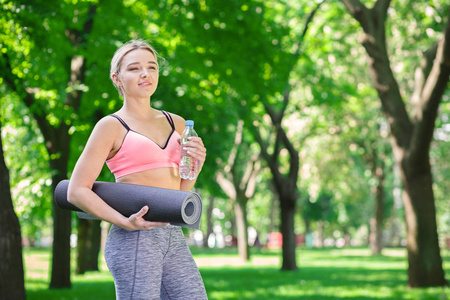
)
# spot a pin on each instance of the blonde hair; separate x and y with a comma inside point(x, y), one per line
point(120, 53)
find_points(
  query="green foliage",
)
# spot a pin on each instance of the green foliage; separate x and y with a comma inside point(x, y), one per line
point(27, 160)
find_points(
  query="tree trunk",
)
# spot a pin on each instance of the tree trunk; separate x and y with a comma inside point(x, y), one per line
point(209, 226)
point(376, 223)
point(240, 210)
point(424, 259)
point(62, 218)
point(82, 241)
point(95, 239)
point(11, 268)
point(320, 233)
point(273, 205)
point(309, 243)
point(289, 241)
point(60, 275)
point(88, 245)
point(347, 237)
point(285, 184)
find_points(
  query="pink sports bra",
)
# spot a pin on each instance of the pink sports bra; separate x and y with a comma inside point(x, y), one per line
point(139, 153)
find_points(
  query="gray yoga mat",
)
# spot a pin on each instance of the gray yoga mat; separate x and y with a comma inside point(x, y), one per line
point(179, 208)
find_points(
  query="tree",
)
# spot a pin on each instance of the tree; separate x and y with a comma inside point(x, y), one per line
point(239, 185)
point(56, 133)
point(271, 60)
point(320, 210)
point(52, 116)
point(351, 132)
point(276, 106)
point(371, 145)
point(11, 269)
point(411, 136)
point(376, 162)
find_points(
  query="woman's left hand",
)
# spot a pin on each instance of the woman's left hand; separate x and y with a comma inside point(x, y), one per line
point(197, 150)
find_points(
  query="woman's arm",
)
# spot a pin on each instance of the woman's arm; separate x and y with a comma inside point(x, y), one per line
point(101, 143)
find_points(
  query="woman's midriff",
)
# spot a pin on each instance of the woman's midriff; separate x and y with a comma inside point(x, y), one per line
point(167, 178)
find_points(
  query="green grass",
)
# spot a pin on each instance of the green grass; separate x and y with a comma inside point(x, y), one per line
point(323, 274)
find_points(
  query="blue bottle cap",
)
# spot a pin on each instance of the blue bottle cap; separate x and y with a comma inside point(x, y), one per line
point(189, 123)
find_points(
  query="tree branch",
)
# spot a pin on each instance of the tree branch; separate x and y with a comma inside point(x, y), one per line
point(381, 7)
point(421, 75)
point(431, 94)
point(248, 171)
point(360, 12)
point(237, 142)
point(286, 97)
point(226, 185)
point(310, 17)
point(276, 119)
point(271, 160)
point(281, 137)
point(306, 27)
point(263, 145)
point(80, 37)
point(251, 182)
point(373, 23)
point(78, 62)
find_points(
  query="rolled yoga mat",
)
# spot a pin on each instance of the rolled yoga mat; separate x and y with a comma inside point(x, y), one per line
point(179, 208)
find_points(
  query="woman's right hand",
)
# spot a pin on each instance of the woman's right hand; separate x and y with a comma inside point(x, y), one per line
point(137, 222)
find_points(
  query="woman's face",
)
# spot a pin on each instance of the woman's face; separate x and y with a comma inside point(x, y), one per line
point(138, 75)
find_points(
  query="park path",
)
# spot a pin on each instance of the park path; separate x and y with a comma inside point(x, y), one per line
point(235, 261)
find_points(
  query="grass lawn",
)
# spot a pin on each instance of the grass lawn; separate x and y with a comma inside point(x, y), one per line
point(323, 274)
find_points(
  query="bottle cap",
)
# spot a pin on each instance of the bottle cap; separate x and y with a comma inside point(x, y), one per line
point(189, 123)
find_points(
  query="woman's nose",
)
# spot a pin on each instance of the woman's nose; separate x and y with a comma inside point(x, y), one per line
point(144, 73)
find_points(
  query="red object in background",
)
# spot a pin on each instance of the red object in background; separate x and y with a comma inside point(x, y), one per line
point(275, 240)
point(300, 239)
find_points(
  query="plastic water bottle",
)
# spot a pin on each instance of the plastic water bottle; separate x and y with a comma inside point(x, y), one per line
point(188, 165)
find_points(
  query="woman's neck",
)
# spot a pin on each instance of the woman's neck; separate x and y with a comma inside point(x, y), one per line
point(139, 108)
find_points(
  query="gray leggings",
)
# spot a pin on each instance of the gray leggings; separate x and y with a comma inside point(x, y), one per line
point(152, 264)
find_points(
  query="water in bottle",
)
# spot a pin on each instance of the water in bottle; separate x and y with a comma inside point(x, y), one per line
point(188, 165)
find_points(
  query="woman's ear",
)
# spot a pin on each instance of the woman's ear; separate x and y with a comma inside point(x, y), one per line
point(115, 79)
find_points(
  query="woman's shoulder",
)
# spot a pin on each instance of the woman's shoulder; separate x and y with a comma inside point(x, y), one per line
point(108, 124)
point(106, 134)
point(178, 121)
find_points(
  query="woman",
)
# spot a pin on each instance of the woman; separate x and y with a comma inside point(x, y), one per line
point(148, 260)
